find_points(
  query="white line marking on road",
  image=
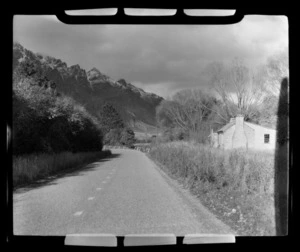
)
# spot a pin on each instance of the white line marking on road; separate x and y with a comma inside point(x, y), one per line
point(98, 188)
point(78, 213)
point(91, 198)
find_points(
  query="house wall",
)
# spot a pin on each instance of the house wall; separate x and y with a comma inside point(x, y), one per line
point(250, 135)
point(220, 140)
point(239, 139)
point(214, 137)
point(259, 138)
point(254, 137)
point(227, 137)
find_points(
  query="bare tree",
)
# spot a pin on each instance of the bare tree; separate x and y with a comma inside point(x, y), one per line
point(170, 114)
point(188, 110)
point(277, 69)
point(237, 88)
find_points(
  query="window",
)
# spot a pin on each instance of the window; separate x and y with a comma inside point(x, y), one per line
point(267, 138)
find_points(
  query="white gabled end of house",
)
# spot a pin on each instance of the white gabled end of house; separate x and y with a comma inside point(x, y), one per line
point(240, 134)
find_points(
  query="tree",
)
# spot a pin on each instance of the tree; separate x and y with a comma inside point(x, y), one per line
point(187, 114)
point(127, 137)
point(277, 70)
point(112, 137)
point(187, 110)
point(44, 122)
point(196, 107)
point(113, 127)
point(110, 118)
point(270, 76)
point(237, 88)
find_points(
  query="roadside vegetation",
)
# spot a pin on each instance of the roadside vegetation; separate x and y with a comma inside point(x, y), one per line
point(52, 132)
point(238, 186)
point(29, 168)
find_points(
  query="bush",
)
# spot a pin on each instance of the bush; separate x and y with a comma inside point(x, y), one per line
point(110, 118)
point(46, 123)
point(127, 137)
point(238, 179)
point(113, 127)
point(113, 137)
point(250, 172)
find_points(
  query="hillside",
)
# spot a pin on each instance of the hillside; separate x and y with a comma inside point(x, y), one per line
point(92, 88)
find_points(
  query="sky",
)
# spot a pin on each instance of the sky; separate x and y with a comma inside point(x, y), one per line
point(161, 59)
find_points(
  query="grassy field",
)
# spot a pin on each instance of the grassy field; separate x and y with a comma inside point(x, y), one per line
point(237, 186)
point(28, 168)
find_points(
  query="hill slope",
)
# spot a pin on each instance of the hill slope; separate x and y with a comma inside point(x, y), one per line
point(92, 88)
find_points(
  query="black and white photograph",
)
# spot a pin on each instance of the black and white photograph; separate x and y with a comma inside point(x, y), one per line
point(150, 129)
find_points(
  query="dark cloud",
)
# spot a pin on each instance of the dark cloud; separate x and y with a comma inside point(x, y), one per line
point(160, 58)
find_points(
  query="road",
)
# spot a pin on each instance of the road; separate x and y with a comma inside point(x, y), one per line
point(124, 194)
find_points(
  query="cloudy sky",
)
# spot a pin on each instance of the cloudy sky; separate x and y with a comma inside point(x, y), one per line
point(158, 58)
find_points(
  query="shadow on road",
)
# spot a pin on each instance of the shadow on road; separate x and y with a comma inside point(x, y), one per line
point(76, 171)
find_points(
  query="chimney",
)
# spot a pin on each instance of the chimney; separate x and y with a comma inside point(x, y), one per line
point(239, 120)
point(232, 119)
point(239, 139)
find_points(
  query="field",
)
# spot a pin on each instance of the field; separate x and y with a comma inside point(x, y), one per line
point(237, 186)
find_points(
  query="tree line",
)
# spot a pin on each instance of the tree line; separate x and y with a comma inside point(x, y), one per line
point(235, 89)
point(47, 121)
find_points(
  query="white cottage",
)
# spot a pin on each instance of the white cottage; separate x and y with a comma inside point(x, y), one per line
point(240, 134)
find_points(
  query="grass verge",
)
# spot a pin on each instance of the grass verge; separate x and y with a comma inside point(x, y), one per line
point(29, 168)
point(237, 186)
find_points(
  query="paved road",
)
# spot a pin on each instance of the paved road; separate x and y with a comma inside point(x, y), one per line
point(125, 194)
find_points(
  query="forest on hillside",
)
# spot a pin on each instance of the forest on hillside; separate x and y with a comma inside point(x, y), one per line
point(46, 121)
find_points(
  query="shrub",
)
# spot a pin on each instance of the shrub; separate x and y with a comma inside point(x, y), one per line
point(110, 118)
point(113, 137)
point(225, 179)
point(127, 137)
point(44, 122)
point(251, 172)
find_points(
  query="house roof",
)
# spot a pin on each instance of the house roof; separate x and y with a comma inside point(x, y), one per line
point(258, 125)
point(226, 127)
point(230, 124)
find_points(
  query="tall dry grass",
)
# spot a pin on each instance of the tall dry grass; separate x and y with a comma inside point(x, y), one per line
point(215, 172)
point(28, 168)
point(248, 171)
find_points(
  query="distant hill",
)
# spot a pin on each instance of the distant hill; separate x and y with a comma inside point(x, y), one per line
point(93, 88)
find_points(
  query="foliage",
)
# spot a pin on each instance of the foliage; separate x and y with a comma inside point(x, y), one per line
point(112, 137)
point(251, 92)
point(276, 69)
point(237, 87)
point(127, 137)
point(187, 115)
point(243, 180)
point(251, 172)
point(110, 118)
point(113, 127)
point(28, 168)
point(46, 122)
